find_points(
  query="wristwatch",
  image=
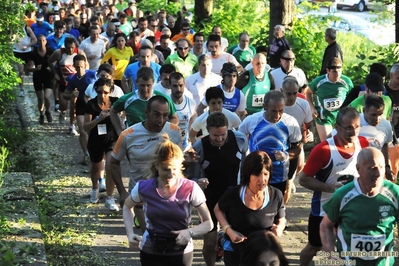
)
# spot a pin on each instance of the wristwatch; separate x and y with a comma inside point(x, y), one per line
point(191, 232)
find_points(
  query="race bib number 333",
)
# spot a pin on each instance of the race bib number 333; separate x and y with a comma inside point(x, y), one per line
point(332, 104)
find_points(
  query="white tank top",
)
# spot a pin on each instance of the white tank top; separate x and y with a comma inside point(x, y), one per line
point(24, 41)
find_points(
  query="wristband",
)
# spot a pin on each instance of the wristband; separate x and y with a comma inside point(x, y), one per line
point(191, 232)
point(224, 228)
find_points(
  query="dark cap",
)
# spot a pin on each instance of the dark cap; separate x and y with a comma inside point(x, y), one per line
point(374, 82)
point(228, 68)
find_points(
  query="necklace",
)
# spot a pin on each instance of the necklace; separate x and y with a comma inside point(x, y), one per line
point(251, 190)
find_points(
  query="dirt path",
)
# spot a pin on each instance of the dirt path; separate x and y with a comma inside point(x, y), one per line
point(108, 243)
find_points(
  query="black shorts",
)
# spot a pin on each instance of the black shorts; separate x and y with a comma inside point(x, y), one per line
point(23, 56)
point(42, 83)
point(80, 106)
point(314, 230)
point(98, 149)
point(280, 186)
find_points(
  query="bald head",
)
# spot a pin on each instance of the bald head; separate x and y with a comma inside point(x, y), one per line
point(259, 63)
point(367, 154)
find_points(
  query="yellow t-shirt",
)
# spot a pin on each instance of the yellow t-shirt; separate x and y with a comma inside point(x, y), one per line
point(119, 59)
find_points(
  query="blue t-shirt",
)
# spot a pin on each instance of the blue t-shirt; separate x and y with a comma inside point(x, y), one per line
point(82, 83)
point(54, 43)
point(131, 72)
point(45, 29)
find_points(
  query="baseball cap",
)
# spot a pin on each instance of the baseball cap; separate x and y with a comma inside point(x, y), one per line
point(374, 82)
point(56, 9)
point(39, 17)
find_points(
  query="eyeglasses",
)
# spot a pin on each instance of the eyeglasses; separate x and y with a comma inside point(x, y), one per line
point(186, 29)
point(104, 92)
point(182, 48)
point(288, 59)
point(349, 129)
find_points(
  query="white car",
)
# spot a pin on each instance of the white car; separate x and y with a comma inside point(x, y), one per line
point(382, 35)
point(359, 5)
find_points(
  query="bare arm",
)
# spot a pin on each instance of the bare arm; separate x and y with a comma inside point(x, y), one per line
point(236, 237)
point(388, 172)
point(200, 109)
point(128, 215)
point(294, 151)
point(55, 57)
point(241, 114)
point(174, 119)
point(278, 228)
point(33, 39)
point(116, 122)
point(193, 135)
point(327, 234)
point(316, 185)
point(117, 177)
point(309, 98)
point(126, 84)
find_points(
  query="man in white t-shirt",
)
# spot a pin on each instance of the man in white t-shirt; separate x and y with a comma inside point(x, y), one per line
point(300, 110)
point(219, 57)
point(185, 107)
point(218, 31)
point(214, 97)
point(199, 82)
point(287, 68)
point(94, 47)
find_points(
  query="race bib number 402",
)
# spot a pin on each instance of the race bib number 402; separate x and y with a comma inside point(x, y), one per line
point(367, 243)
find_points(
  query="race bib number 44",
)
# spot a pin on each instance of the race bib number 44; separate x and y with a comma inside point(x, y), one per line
point(332, 104)
point(366, 244)
point(257, 100)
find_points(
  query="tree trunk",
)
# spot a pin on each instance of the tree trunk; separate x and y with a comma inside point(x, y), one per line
point(173, 1)
point(282, 12)
point(203, 11)
point(397, 21)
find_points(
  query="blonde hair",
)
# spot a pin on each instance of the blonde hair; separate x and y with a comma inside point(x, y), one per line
point(165, 151)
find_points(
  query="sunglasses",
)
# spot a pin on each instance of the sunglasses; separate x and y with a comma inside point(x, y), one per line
point(186, 29)
point(182, 48)
point(104, 92)
point(288, 59)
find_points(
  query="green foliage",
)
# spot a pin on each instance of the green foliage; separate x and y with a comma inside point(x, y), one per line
point(307, 42)
point(11, 14)
point(155, 5)
point(233, 17)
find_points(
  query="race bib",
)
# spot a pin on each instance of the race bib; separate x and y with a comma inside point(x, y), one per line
point(368, 244)
point(102, 129)
point(332, 104)
point(257, 100)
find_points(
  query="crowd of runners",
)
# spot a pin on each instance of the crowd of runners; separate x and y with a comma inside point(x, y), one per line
point(219, 127)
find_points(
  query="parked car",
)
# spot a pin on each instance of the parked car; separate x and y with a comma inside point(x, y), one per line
point(382, 35)
point(359, 5)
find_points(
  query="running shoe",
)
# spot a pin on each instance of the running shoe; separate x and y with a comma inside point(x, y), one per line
point(72, 131)
point(48, 116)
point(94, 196)
point(57, 107)
point(41, 119)
point(110, 204)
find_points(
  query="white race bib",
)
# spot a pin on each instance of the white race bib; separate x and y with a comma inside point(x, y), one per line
point(102, 129)
point(367, 243)
point(257, 100)
point(332, 104)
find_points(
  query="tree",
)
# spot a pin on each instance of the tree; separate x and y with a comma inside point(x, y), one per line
point(203, 11)
point(282, 12)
